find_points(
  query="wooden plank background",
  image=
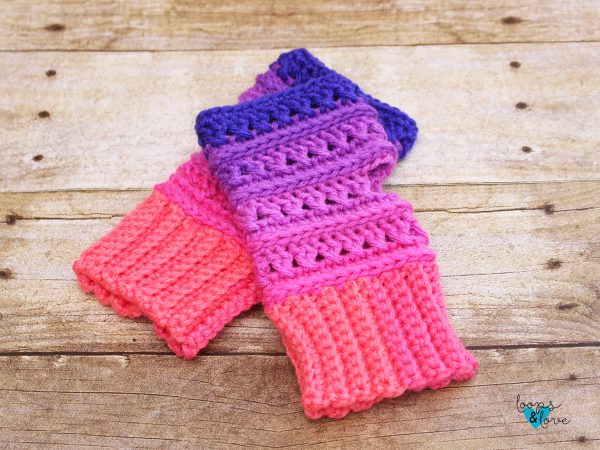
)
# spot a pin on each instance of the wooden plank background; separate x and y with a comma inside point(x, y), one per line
point(233, 24)
point(98, 101)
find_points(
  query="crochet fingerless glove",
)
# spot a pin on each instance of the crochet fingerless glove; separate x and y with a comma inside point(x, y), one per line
point(177, 258)
point(344, 268)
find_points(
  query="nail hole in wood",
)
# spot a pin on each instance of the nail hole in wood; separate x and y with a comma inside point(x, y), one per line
point(515, 64)
point(511, 20)
point(521, 105)
point(11, 219)
point(43, 114)
point(38, 158)
point(548, 208)
point(526, 149)
point(553, 263)
point(50, 73)
point(567, 306)
point(5, 274)
point(55, 27)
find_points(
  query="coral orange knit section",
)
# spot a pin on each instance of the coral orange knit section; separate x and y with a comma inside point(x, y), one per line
point(188, 278)
point(371, 338)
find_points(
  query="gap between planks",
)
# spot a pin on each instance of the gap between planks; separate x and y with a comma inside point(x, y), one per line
point(203, 354)
point(291, 47)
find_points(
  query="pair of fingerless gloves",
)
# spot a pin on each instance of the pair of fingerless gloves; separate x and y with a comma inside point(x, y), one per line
point(285, 206)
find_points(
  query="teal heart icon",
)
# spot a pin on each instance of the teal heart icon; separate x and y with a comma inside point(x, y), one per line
point(536, 418)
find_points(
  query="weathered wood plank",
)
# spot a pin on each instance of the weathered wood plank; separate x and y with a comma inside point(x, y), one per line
point(168, 25)
point(506, 227)
point(455, 198)
point(516, 239)
point(520, 265)
point(56, 316)
point(125, 120)
point(222, 402)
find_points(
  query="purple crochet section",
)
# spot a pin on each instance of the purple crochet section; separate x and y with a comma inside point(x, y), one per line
point(299, 66)
point(266, 83)
point(313, 151)
point(303, 169)
point(245, 121)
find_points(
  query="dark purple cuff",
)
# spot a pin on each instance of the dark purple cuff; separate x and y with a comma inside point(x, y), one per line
point(298, 66)
point(247, 120)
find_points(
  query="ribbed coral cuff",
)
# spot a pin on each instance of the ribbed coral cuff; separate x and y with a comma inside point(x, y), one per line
point(371, 338)
point(299, 66)
point(188, 278)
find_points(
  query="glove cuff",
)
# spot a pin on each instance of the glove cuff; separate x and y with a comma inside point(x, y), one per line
point(154, 262)
point(245, 121)
point(371, 338)
point(299, 66)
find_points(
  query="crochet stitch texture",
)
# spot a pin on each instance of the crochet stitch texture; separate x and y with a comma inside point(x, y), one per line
point(344, 268)
point(178, 257)
point(299, 66)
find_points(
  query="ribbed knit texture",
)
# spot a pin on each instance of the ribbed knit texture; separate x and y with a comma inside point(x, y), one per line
point(344, 268)
point(176, 259)
point(299, 66)
point(371, 338)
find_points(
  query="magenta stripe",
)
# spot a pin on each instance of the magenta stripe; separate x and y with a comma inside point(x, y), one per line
point(194, 190)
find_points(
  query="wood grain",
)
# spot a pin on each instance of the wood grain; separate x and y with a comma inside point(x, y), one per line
point(224, 402)
point(231, 24)
point(126, 120)
point(453, 198)
point(519, 265)
point(98, 104)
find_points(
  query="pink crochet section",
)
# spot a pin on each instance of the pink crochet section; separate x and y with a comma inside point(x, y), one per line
point(161, 261)
point(345, 269)
point(371, 338)
point(196, 191)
